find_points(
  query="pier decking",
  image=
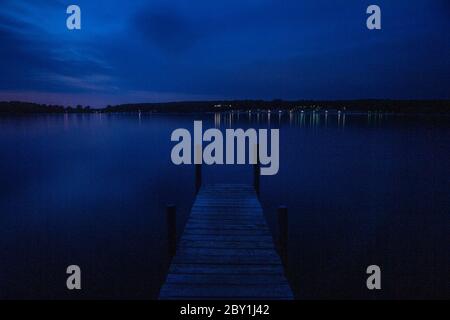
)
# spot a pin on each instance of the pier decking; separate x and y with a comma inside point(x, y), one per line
point(226, 250)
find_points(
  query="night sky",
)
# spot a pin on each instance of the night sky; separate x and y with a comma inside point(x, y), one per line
point(163, 50)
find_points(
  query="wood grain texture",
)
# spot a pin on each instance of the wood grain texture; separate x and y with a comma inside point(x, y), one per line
point(226, 250)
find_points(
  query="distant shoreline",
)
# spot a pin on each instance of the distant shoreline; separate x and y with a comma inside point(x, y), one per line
point(369, 105)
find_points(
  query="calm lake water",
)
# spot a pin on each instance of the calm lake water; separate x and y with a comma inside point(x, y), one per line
point(91, 190)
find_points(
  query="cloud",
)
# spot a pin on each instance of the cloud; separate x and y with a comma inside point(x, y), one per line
point(163, 49)
point(32, 57)
point(167, 29)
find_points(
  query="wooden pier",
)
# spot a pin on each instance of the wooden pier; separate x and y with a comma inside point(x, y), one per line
point(226, 250)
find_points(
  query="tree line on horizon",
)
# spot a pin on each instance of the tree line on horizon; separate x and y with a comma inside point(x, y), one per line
point(403, 106)
point(30, 107)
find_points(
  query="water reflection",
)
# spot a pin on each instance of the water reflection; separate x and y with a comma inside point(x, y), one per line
point(77, 186)
point(374, 118)
point(217, 117)
point(295, 118)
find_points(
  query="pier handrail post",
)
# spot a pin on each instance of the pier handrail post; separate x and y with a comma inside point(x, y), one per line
point(283, 232)
point(171, 212)
point(198, 177)
point(256, 170)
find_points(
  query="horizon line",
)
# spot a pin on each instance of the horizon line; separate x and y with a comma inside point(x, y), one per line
point(230, 100)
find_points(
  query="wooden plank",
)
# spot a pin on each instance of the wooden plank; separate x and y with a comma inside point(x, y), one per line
point(229, 215)
point(226, 279)
point(228, 224)
point(186, 268)
point(226, 210)
point(224, 232)
point(232, 259)
point(199, 291)
point(226, 250)
point(227, 219)
point(240, 238)
point(225, 244)
point(229, 252)
point(211, 227)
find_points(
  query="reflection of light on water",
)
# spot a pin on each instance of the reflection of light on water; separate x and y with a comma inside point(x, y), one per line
point(217, 120)
point(316, 119)
point(66, 121)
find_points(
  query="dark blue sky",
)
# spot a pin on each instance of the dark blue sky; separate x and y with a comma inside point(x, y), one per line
point(163, 50)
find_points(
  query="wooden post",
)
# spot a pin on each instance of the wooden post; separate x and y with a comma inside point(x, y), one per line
point(198, 177)
point(256, 170)
point(171, 229)
point(283, 232)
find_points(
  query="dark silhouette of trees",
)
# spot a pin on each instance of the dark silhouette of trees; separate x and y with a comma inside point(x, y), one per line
point(404, 106)
point(17, 107)
point(397, 106)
